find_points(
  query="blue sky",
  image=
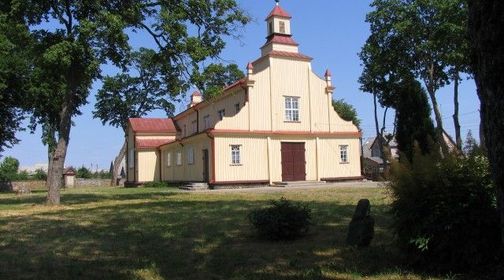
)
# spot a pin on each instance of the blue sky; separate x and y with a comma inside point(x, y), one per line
point(330, 31)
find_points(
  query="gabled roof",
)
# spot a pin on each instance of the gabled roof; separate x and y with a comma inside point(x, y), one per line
point(153, 125)
point(151, 143)
point(281, 39)
point(278, 12)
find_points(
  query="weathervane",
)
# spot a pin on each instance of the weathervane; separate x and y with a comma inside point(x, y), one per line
point(277, 2)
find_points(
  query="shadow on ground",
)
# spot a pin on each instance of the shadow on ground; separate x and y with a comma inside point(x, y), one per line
point(171, 237)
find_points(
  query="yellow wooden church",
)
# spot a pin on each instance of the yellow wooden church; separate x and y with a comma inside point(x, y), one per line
point(275, 125)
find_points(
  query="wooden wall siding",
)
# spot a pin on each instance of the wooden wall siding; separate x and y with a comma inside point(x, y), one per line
point(232, 120)
point(149, 162)
point(329, 158)
point(185, 172)
point(253, 155)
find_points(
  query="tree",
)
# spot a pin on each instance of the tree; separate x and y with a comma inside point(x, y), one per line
point(215, 77)
point(72, 39)
point(414, 125)
point(84, 173)
point(471, 146)
point(486, 30)
point(416, 35)
point(14, 81)
point(133, 95)
point(9, 169)
point(346, 111)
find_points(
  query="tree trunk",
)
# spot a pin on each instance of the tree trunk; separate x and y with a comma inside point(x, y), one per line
point(439, 122)
point(57, 161)
point(456, 122)
point(378, 135)
point(117, 164)
point(486, 29)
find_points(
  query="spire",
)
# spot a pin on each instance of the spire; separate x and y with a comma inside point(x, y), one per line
point(327, 73)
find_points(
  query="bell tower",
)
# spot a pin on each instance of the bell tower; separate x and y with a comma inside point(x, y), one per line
point(279, 32)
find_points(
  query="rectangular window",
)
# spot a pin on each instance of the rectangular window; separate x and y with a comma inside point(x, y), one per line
point(194, 125)
point(131, 158)
point(190, 156)
point(179, 158)
point(282, 27)
point(235, 155)
point(291, 109)
point(222, 114)
point(343, 153)
point(168, 159)
point(237, 107)
point(270, 28)
point(184, 131)
point(206, 122)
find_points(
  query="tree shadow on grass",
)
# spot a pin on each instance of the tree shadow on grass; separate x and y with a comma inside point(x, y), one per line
point(180, 239)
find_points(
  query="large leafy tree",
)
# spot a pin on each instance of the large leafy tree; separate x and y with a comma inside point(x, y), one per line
point(14, 77)
point(424, 37)
point(142, 90)
point(72, 39)
point(486, 29)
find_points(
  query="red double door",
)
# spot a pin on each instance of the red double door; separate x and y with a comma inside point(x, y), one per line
point(293, 162)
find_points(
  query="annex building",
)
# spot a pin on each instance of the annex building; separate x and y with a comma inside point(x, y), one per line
point(277, 124)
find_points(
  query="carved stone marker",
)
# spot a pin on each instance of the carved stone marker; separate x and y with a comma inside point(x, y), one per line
point(361, 228)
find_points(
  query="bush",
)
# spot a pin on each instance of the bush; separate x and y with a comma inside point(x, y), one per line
point(84, 173)
point(283, 220)
point(445, 212)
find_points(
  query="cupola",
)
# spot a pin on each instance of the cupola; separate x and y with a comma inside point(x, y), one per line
point(279, 32)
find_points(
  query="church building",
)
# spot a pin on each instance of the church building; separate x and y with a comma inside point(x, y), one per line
point(275, 125)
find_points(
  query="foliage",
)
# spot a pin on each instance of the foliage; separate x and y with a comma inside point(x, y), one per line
point(9, 169)
point(414, 125)
point(445, 212)
point(14, 66)
point(346, 111)
point(84, 173)
point(212, 80)
point(471, 146)
point(40, 174)
point(419, 37)
point(71, 40)
point(283, 220)
point(102, 174)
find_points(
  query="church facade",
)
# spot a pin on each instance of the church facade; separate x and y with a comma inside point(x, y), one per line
point(275, 125)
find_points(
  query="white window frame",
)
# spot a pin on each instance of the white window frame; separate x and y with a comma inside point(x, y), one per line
point(343, 153)
point(222, 114)
point(281, 27)
point(168, 159)
point(236, 155)
point(206, 122)
point(179, 158)
point(190, 156)
point(292, 109)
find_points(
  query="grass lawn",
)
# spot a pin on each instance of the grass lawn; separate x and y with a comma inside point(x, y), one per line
point(162, 233)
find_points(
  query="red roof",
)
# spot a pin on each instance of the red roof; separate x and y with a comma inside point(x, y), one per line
point(281, 39)
point(278, 12)
point(159, 125)
point(151, 143)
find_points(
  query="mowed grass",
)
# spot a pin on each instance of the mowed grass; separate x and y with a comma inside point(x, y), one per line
point(163, 233)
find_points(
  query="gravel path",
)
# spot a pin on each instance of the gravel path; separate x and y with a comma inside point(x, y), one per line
point(262, 189)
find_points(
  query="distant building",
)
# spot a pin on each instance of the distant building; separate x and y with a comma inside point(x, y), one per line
point(372, 162)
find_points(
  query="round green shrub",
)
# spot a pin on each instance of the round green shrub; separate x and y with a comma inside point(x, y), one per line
point(445, 214)
point(282, 220)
